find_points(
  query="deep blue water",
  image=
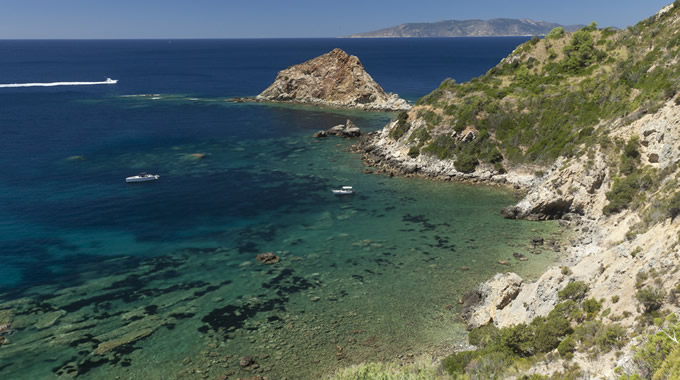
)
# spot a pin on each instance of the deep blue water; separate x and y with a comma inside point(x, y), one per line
point(88, 261)
point(41, 193)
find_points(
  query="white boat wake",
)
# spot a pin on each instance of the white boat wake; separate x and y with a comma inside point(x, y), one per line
point(53, 84)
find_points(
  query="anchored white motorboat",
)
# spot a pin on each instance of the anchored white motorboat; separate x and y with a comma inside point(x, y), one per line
point(345, 190)
point(142, 177)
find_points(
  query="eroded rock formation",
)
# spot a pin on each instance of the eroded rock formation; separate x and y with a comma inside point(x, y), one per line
point(334, 79)
point(481, 305)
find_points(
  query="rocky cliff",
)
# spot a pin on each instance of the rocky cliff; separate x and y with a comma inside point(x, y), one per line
point(467, 28)
point(604, 161)
point(334, 79)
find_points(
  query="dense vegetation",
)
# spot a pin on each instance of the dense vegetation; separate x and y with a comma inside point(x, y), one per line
point(562, 96)
point(575, 324)
point(551, 97)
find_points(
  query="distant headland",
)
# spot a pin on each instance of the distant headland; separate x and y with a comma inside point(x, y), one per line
point(468, 28)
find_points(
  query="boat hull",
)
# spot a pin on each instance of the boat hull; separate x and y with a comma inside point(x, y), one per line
point(135, 179)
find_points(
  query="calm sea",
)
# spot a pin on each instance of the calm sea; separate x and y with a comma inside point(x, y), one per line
point(100, 279)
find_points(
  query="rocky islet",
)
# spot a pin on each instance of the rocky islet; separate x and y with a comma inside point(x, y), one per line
point(335, 79)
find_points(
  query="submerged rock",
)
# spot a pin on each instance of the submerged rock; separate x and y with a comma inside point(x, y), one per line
point(49, 319)
point(267, 258)
point(128, 338)
point(246, 361)
point(520, 256)
point(334, 79)
point(197, 156)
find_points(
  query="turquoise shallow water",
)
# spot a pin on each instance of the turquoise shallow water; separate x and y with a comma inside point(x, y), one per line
point(103, 280)
point(377, 274)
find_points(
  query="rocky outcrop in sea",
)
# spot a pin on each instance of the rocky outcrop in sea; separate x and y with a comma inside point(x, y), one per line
point(335, 79)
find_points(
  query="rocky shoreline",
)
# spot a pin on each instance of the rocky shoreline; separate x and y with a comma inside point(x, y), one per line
point(389, 158)
point(383, 107)
point(610, 253)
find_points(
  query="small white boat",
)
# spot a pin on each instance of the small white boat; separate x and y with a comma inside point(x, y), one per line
point(345, 190)
point(142, 177)
point(111, 81)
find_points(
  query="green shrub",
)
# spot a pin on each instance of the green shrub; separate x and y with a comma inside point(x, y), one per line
point(414, 152)
point(611, 336)
point(518, 339)
point(399, 130)
point(651, 355)
point(442, 146)
point(402, 126)
point(624, 190)
point(465, 163)
point(573, 291)
point(491, 365)
point(588, 332)
point(650, 298)
point(581, 52)
point(456, 362)
point(555, 33)
point(420, 134)
point(564, 310)
point(495, 156)
point(567, 347)
point(586, 132)
point(591, 306)
point(549, 332)
point(421, 369)
point(484, 336)
point(431, 118)
point(640, 278)
point(615, 299)
point(670, 367)
point(630, 159)
point(636, 252)
point(591, 27)
point(673, 206)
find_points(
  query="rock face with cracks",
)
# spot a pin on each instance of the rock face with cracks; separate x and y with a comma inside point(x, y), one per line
point(481, 305)
point(335, 79)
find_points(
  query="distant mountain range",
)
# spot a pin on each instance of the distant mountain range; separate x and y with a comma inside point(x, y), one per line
point(468, 28)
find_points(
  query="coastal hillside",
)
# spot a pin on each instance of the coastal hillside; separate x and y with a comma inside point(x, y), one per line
point(468, 28)
point(588, 125)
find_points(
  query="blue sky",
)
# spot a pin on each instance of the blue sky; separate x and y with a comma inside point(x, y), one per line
point(286, 18)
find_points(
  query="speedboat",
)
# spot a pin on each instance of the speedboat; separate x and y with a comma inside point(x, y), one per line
point(111, 81)
point(142, 177)
point(345, 190)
